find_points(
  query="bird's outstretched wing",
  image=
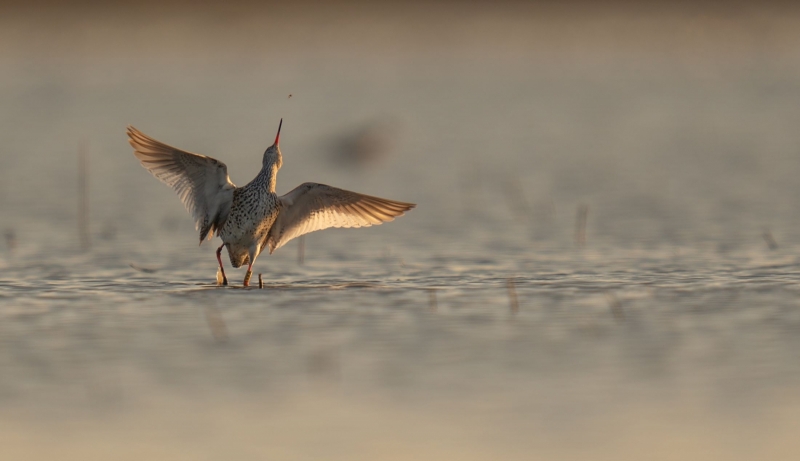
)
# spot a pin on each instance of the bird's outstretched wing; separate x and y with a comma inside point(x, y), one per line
point(202, 183)
point(311, 207)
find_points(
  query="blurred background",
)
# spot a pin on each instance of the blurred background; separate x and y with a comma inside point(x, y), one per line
point(602, 264)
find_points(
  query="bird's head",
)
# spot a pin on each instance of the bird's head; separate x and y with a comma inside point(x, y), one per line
point(272, 156)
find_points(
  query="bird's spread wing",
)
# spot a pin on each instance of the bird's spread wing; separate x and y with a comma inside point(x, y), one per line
point(311, 207)
point(202, 183)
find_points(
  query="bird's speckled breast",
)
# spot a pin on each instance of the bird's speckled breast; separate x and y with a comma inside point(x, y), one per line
point(252, 214)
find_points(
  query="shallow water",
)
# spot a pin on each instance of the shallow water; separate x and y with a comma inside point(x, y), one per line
point(478, 326)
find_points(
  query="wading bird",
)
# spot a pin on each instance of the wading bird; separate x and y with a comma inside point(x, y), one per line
point(253, 217)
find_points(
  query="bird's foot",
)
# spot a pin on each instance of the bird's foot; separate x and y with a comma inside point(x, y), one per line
point(247, 278)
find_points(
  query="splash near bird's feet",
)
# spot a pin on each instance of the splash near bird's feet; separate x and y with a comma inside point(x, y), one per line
point(221, 279)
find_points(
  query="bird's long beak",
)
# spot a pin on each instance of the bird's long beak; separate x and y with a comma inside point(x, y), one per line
point(277, 138)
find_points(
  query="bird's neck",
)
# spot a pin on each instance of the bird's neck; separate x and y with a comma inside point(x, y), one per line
point(267, 176)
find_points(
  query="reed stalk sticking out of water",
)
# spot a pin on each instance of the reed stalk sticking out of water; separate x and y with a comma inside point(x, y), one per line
point(83, 195)
point(512, 296)
point(580, 225)
point(11, 240)
point(433, 303)
point(616, 307)
point(771, 243)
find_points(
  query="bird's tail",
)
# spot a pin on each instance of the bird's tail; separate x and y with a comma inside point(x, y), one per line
point(239, 258)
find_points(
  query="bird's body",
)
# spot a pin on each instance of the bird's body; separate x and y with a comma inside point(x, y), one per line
point(251, 218)
point(254, 209)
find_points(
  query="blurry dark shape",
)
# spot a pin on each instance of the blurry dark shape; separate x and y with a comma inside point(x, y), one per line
point(260, 282)
point(616, 306)
point(146, 270)
point(323, 365)
point(109, 232)
point(433, 303)
point(517, 202)
point(512, 296)
point(726, 247)
point(771, 243)
point(83, 195)
point(290, 96)
point(216, 324)
point(301, 250)
point(367, 144)
point(171, 222)
point(580, 225)
point(11, 240)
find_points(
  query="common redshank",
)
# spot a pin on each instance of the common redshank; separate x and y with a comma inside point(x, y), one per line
point(253, 217)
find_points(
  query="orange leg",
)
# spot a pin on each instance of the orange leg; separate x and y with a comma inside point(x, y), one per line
point(219, 260)
point(248, 275)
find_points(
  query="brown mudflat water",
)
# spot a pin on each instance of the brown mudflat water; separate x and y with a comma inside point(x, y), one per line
point(486, 323)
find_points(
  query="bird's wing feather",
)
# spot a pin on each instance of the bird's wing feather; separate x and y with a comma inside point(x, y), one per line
point(202, 183)
point(311, 207)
